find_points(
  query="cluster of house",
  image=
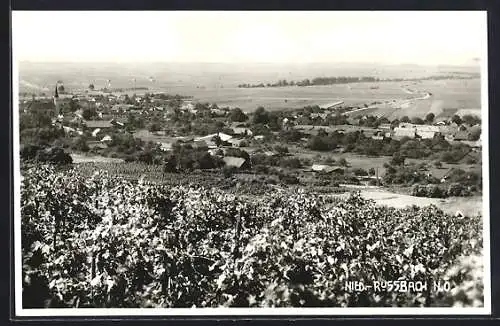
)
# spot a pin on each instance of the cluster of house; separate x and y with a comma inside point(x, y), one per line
point(104, 102)
point(189, 106)
point(238, 137)
point(451, 132)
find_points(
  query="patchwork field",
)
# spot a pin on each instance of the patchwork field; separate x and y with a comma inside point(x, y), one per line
point(278, 98)
point(448, 97)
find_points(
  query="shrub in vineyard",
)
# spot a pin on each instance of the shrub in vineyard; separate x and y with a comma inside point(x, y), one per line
point(103, 241)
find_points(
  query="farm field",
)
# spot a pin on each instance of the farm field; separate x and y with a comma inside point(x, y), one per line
point(181, 77)
point(448, 96)
point(278, 98)
point(79, 159)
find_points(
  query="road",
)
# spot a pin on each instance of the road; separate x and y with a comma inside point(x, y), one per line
point(397, 103)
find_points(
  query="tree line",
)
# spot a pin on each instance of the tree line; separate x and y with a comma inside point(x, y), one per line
point(318, 81)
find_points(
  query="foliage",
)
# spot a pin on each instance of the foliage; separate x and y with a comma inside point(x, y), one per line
point(475, 134)
point(417, 121)
point(321, 143)
point(291, 135)
point(407, 175)
point(397, 159)
point(237, 115)
point(106, 242)
point(292, 162)
point(288, 179)
point(282, 150)
point(360, 172)
point(432, 191)
point(429, 118)
point(89, 113)
point(436, 191)
point(260, 116)
point(456, 119)
point(54, 155)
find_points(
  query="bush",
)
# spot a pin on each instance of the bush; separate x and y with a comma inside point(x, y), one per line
point(430, 191)
point(55, 155)
point(321, 143)
point(360, 172)
point(434, 191)
point(228, 171)
point(343, 162)
point(281, 149)
point(458, 190)
point(236, 115)
point(419, 191)
point(29, 152)
point(80, 144)
point(288, 179)
point(292, 163)
point(261, 169)
point(330, 160)
point(474, 135)
point(292, 135)
point(471, 161)
point(170, 164)
point(397, 159)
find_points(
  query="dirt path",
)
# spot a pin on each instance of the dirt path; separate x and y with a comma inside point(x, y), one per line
point(397, 103)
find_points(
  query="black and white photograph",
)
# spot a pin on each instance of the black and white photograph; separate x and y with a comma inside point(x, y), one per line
point(198, 163)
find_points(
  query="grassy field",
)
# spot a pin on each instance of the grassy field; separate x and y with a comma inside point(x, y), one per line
point(469, 206)
point(147, 136)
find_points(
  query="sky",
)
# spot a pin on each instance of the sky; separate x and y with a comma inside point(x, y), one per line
point(395, 37)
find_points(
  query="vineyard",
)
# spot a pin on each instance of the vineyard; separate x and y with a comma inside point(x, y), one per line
point(102, 241)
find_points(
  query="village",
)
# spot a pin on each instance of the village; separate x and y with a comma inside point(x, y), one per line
point(334, 142)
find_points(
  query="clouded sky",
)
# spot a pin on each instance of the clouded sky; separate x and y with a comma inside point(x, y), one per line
point(386, 37)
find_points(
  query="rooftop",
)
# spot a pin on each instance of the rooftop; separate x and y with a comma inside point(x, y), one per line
point(98, 124)
point(234, 161)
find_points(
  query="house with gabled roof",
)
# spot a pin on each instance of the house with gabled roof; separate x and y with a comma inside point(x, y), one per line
point(233, 161)
point(98, 124)
point(400, 132)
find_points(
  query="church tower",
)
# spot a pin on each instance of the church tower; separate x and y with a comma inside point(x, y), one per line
point(57, 104)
